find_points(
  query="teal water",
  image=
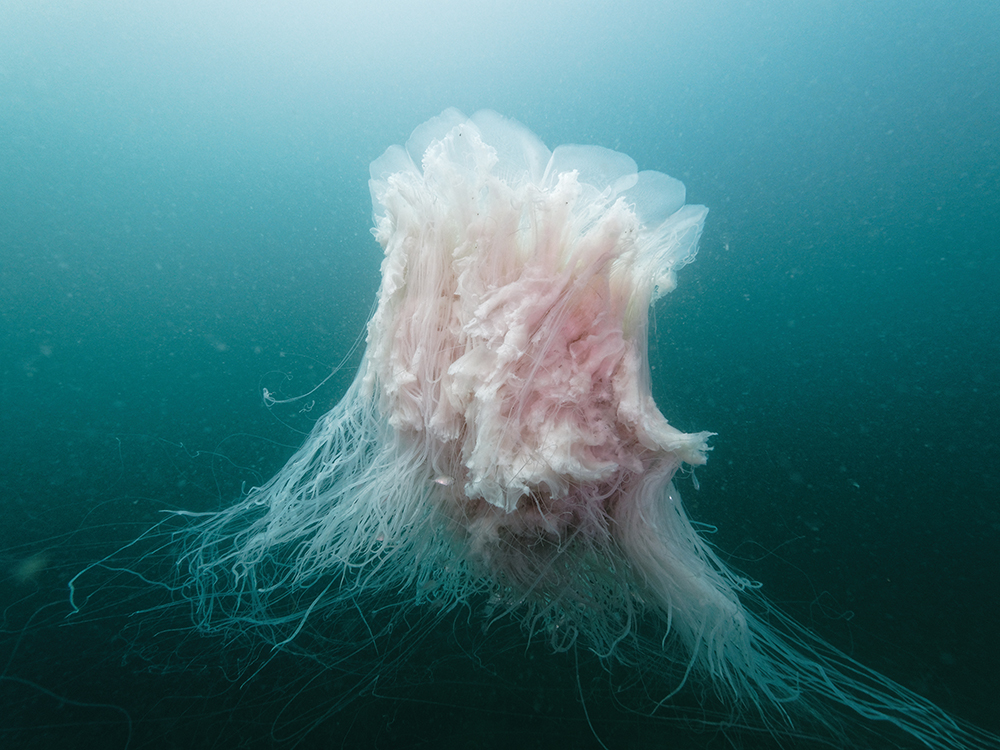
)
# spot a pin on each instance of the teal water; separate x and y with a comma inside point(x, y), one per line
point(184, 219)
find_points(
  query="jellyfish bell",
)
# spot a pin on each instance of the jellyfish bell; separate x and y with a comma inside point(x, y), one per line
point(508, 351)
point(500, 451)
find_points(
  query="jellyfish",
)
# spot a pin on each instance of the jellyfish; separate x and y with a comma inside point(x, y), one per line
point(500, 453)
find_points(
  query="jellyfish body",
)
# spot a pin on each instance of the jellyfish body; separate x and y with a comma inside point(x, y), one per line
point(500, 449)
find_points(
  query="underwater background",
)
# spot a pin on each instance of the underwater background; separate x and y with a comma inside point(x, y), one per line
point(184, 221)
